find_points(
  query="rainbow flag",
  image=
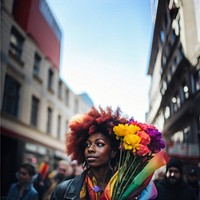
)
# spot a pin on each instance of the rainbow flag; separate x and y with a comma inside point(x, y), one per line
point(43, 170)
point(141, 181)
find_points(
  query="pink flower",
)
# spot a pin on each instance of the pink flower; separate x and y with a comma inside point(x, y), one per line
point(144, 150)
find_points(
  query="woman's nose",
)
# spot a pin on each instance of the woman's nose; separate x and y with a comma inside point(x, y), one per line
point(91, 148)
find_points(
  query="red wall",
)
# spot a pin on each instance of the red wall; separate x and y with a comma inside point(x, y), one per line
point(28, 15)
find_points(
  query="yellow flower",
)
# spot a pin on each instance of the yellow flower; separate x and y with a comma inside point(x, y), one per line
point(133, 128)
point(121, 130)
point(131, 142)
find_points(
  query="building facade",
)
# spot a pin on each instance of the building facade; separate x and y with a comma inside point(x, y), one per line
point(36, 105)
point(174, 67)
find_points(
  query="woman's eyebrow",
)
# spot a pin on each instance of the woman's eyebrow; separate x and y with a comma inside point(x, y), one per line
point(101, 139)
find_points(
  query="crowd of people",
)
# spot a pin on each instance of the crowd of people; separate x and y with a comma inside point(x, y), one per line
point(39, 184)
point(95, 152)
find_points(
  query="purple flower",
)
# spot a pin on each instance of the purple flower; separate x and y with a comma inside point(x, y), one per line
point(131, 121)
point(156, 143)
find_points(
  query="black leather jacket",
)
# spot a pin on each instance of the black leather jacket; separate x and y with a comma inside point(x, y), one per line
point(70, 189)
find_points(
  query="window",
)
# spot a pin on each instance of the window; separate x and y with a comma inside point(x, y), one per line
point(185, 91)
point(165, 20)
point(164, 87)
point(49, 119)
point(67, 96)
point(167, 112)
point(197, 81)
point(162, 36)
point(180, 55)
point(16, 43)
point(59, 89)
point(172, 39)
point(178, 137)
point(187, 133)
point(178, 100)
point(58, 127)
point(11, 96)
point(174, 104)
point(50, 79)
point(34, 111)
point(36, 66)
point(164, 61)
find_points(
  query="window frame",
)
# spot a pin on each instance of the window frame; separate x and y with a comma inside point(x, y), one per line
point(34, 111)
point(16, 47)
point(11, 96)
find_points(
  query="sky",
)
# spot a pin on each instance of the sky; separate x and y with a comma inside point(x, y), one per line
point(105, 51)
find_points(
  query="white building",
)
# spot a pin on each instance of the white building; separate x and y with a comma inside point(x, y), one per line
point(36, 105)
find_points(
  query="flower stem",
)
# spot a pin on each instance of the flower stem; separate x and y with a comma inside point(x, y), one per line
point(122, 173)
point(130, 178)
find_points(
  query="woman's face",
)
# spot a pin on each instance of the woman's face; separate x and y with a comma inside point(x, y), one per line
point(98, 151)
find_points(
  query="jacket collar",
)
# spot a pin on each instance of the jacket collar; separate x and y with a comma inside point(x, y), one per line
point(74, 187)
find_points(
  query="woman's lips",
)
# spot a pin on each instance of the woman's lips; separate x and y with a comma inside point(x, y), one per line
point(91, 158)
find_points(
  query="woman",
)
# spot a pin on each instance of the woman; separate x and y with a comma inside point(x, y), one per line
point(92, 142)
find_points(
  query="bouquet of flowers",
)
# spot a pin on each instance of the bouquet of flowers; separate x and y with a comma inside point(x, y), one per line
point(140, 156)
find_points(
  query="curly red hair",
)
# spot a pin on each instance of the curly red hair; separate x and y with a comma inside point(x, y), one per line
point(96, 120)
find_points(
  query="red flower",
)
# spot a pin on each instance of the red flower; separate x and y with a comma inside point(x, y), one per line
point(144, 150)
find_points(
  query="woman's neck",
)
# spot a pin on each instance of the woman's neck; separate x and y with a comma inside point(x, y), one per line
point(102, 175)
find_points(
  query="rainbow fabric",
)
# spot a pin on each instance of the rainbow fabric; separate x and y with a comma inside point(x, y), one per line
point(43, 170)
point(87, 189)
point(141, 181)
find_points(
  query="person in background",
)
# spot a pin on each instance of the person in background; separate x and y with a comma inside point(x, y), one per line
point(77, 168)
point(57, 176)
point(192, 180)
point(24, 189)
point(41, 181)
point(173, 185)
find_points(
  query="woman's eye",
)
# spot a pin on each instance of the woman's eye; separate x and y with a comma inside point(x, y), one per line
point(87, 145)
point(100, 144)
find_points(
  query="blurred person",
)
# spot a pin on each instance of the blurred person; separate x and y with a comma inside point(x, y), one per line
point(24, 189)
point(77, 168)
point(41, 181)
point(57, 176)
point(192, 180)
point(173, 185)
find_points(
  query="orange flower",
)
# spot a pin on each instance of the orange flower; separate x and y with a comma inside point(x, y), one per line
point(145, 138)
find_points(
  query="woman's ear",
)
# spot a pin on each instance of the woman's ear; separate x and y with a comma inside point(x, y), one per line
point(113, 154)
